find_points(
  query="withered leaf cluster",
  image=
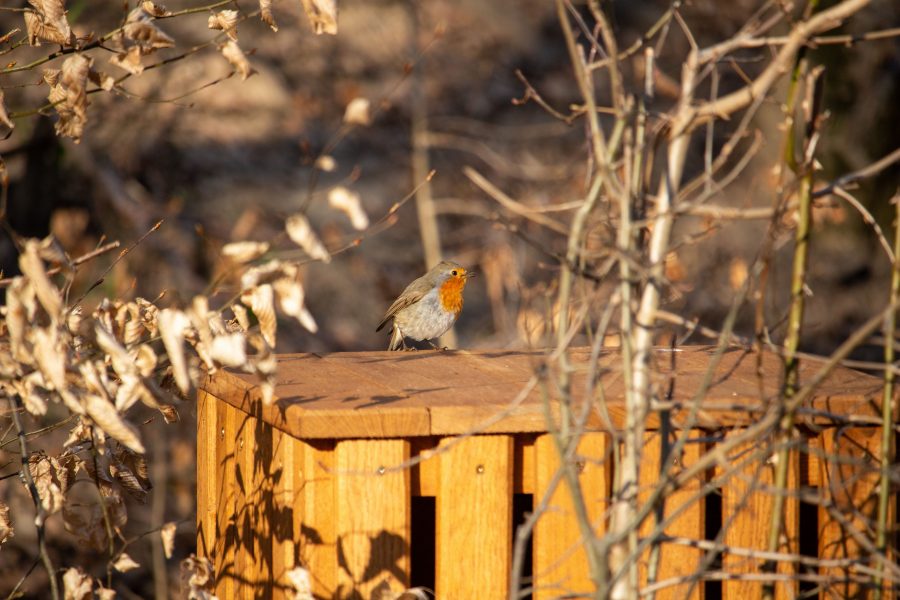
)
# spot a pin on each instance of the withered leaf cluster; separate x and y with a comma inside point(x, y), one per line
point(48, 23)
point(139, 37)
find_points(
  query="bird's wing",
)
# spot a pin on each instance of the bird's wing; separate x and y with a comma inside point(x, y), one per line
point(412, 294)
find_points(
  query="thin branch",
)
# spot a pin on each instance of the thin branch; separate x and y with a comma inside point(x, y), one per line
point(6, 282)
point(873, 169)
point(516, 207)
point(40, 519)
point(887, 409)
point(735, 101)
point(121, 255)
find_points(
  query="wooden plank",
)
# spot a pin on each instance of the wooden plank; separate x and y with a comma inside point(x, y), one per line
point(474, 517)
point(381, 394)
point(226, 525)
point(747, 504)
point(373, 516)
point(560, 561)
point(675, 560)
point(425, 474)
point(317, 529)
point(243, 574)
point(849, 482)
point(259, 508)
point(206, 475)
point(287, 508)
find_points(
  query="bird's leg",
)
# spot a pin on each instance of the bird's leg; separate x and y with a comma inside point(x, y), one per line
point(438, 348)
point(405, 347)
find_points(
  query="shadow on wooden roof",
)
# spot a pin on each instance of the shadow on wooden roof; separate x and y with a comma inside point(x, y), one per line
point(390, 394)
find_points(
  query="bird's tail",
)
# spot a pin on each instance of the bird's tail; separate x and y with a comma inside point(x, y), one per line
point(396, 342)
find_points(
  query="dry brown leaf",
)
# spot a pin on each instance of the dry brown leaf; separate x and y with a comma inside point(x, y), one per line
point(51, 481)
point(105, 415)
point(300, 580)
point(35, 400)
point(290, 300)
point(675, 269)
point(69, 96)
point(52, 251)
point(129, 60)
point(130, 470)
point(348, 203)
point(357, 112)
point(85, 519)
point(266, 14)
point(265, 273)
point(229, 350)
point(105, 593)
point(33, 268)
point(145, 360)
point(240, 315)
point(172, 327)
point(167, 533)
point(79, 433)
point(198, 572)
point(6, 528)
point(737, 272)
point(17, 299)
point(234, 55)
point(262, 300)
point(125, 563)
point(77, 584)
point(326, 163)
point(302, 234)
point(4, 116)
point(322, 15)
point(51, 76)
point(48, 22)
point(50, 354)
point(155, 10)
point(224, 20)
point(140, 29)
point(244, 252)
point(102, 80)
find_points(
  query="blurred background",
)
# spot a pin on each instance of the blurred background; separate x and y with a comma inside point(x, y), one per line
point(223, 160)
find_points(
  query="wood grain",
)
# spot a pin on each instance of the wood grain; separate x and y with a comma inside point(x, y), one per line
point(849, 481)
point(207, 484)
point(226, 505)
point(384, 394)
point(317, 525)
point(474, 518)
point(560, 561)
point(675, 560)
point(373, 516)
point(747, 505)
point(286, 511)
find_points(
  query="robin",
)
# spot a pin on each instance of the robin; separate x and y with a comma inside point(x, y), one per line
point(429, 306)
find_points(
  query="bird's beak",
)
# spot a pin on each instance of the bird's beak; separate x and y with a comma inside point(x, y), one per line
point(470, 274)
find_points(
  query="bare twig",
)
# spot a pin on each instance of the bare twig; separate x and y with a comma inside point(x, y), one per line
point(40, 519)
point(869, 170)
point(78, 261)
point(517, 207)
point(121, 255)
point(800, 34)
point(887, 408)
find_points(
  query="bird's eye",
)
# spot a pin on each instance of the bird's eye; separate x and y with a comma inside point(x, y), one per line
point(454, 273)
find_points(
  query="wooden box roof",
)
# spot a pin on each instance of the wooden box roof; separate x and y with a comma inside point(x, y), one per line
point(424, 393)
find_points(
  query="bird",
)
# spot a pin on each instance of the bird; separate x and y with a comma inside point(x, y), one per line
point(429, 306)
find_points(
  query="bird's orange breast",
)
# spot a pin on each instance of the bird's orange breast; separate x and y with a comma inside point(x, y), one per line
point(451, 294)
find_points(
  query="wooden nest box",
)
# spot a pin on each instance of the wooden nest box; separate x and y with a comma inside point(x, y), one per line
point(382, 471)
